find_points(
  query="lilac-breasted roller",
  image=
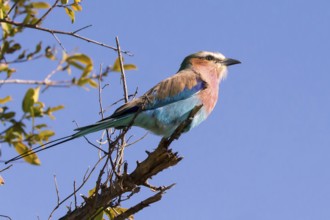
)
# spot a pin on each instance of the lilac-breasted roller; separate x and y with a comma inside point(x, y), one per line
point(165, 106)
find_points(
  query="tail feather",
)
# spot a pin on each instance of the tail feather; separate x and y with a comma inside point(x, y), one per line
point(42, 147)
point(82, 131)
point(103, 124)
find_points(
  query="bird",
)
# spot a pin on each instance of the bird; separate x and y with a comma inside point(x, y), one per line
point(168, 104)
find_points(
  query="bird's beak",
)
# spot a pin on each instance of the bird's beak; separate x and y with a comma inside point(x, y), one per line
point(229, 62)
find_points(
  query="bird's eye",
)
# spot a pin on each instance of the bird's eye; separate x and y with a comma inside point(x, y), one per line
point(209, 57)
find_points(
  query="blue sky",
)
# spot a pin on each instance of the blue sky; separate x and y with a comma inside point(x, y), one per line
point(263, 154)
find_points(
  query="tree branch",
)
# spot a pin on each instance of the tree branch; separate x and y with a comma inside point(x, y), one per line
point(145, 203)
point(73, 34)
point(158, 160)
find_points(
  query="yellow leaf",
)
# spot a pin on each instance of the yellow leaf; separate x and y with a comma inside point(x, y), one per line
point(82, 81)
point(87, 70)
point(6, 27)
point(114, 212)
point(76, 7)
point(45, 134)
point(116, 66)
point(36, 94)
point(92, 83)
point(64, 2)
point(76, 64)
point(41, 5)
point(129, 67)
point(99, 215)
point(82, 58)
point(22, 149)
point(2, 181)
point(6, 99)
point(70, 13)
point(3, 67)
point(56, 108)
point(91, 192)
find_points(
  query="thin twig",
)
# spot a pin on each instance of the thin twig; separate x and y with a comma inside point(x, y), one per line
point(5, 216)
point(98, 182)
point(62, 83)
point(97, 147)
point(56, 188)
point(122, 70)
point(46, 13)
point(59, 42)
point(51, 31)
point(86, 177)
point(6, 168)
point(100, 92)
point(141, 205)
point(80, 29)
point(59, 83)
point(22, 60)
point(120, 153)
point(58, 68)
point(139, 139)
point(75, 195)
point(12, 7)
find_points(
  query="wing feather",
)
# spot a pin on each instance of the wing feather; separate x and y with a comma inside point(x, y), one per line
point(181, 86)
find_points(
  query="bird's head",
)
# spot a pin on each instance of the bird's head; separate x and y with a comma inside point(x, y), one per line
point(212, 62)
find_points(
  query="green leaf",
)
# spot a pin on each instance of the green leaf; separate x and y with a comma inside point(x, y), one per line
point(49, 111)
point(99, 215)
point(40, 126)
point(49, 53)
point(129, 67)
point(46, 134)
point(38, 47)
point(70, 13)
point(30, 98)
point(116, 66)
point(37, 109)
point(56, 108)
point(8, 115)
point(6, 99)
point(10, 71)
point(22, 55)
point(14, 48)
point(22, 149)
point(40, 5)
point(64, 2)
point(91, 192)
point(115, 211)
